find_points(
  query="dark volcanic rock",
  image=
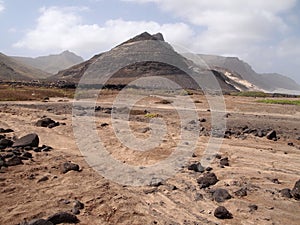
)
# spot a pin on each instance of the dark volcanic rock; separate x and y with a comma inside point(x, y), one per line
point(27, 155)
point(27, 140)
point(78, 204)
point(68, 166)
point(296, 191)
point(197, 167)
point(241, 192)
point(14, 161)
point(2, 162)
point(224, 162)
point(6, 143)
point(222, 213)
point(6, 130)
point(207, 180)
point(220, 195)
point(253, 208)
point(272, 135)
point(286, 193)
point(44, 122)
point(47, 122)
point(63, 217)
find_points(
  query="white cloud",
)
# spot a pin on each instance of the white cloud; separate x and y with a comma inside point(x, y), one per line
point(229, 24)
point(59, 29)
point(2, 6)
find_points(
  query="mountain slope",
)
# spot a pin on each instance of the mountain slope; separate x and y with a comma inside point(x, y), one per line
point(238, 68)
point(161, 61)
point(11, 69)
point(52, 63)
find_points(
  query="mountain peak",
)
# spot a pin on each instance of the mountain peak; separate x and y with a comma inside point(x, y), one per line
point(145, 36)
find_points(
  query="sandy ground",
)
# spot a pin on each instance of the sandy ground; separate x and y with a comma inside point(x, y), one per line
point(254, 163)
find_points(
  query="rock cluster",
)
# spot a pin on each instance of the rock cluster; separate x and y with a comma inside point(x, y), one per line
point(13, 153)
point(47, 122)
point(294, 193)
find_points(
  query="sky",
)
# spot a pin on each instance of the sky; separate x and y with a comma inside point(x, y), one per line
point(264, 33)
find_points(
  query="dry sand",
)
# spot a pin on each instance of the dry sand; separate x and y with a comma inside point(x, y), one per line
point(254, 163)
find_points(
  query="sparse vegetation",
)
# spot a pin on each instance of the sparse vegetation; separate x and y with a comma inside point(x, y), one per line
point(151, 115)
point(280, 101)
point(251, 94)
point(24, 93)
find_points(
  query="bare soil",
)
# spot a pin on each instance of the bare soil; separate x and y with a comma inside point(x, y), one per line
point(255, 163)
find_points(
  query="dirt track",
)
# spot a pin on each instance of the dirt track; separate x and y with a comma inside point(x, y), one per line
point(254, 164)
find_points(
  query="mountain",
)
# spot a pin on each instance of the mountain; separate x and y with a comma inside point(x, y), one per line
point(52, 63)
point(144, 55)
point(231, 73)
point(11, 70)
point(236, 69)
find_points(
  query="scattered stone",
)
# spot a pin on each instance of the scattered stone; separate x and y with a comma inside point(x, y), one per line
point(14, 161)
point(4, 143)
point(208, 179)
point(78, 204)
point(203, 120)
point(276, 181)
point(28, 148)
point(296, 190)
point(198, 197)
point(104, 124)
point(218, 156)
point(208, 169)
point(197, 167)
point(47, 122)
point(286, 193)
point(241, 192)
point(145, 130)
point(3, 131)
point(222, 213)
point(224, 162)
point(43, 179)
point(291, 144)
point(56, 124)
point(27, 140)
point(220, 195)
point(46, 99)
point(68, 166)
point(156, 182)
point(253, 208)
point(272, 135)
point(63, 217)
point(2, 162)
point(45, 148)
point(27, 155)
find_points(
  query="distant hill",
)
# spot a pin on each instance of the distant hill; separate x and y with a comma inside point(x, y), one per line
point(238, 68)
point(52, 63)
point(12, 70)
